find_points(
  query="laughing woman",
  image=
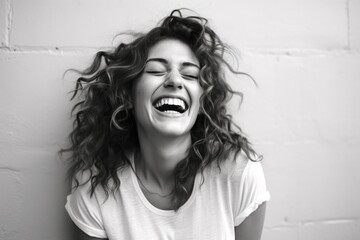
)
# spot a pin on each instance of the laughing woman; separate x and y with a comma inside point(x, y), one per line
point(154, 153)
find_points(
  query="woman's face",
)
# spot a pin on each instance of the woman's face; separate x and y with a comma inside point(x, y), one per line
point(166, 97)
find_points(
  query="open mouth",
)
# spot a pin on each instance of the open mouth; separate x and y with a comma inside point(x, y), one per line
point(170, 105)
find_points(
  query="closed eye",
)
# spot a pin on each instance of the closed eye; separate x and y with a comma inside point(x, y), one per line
point(156, 73)
point(190, 76)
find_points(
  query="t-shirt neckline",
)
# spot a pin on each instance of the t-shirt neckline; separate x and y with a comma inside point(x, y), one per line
point(146, 202)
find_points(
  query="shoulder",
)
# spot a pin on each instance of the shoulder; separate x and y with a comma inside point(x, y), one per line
point(247, 174)
point(240, 180)
point(231, 167)
point(84, 207)
point(248, 187)
point(85, 185)
point(89, 211)
point(86, 196)
point(82, 198)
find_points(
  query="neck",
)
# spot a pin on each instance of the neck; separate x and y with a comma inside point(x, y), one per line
point(158, 158)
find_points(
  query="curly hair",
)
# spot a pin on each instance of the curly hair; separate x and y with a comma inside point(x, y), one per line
point(105, 128)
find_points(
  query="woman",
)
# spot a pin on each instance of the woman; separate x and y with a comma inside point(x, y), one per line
point(154, 153)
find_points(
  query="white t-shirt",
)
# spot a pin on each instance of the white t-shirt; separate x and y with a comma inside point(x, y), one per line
point(214, 208)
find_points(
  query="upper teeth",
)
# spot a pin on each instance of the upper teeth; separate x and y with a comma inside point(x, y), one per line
point(170, 101)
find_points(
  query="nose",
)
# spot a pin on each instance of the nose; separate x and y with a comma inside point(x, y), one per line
point(174, 80)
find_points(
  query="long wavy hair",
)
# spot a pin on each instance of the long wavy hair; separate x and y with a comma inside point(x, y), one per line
point(104, 126)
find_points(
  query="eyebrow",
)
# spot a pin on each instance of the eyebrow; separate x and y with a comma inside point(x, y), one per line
point(162, 60)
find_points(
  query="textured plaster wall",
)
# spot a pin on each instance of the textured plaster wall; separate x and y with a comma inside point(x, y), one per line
point(304, 117)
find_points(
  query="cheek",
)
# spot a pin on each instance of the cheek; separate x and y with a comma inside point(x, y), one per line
point(198, 100)
point(139, 93)
point(198, 93)
point(145, 86)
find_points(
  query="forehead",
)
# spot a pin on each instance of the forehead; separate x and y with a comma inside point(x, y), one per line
point(174, 51)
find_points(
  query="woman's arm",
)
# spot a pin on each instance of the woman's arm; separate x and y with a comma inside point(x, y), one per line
point(80, 235)
point(251, 227)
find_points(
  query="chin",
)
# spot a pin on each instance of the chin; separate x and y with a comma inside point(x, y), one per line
point(173, 130)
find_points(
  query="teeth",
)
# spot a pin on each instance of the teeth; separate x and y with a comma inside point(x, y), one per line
point(171, 111)
point(170, 101)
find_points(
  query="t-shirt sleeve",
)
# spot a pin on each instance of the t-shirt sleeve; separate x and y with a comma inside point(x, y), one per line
point(250, 190)
point(85, 211)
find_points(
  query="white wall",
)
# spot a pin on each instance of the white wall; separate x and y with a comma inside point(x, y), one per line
point(304, 117)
